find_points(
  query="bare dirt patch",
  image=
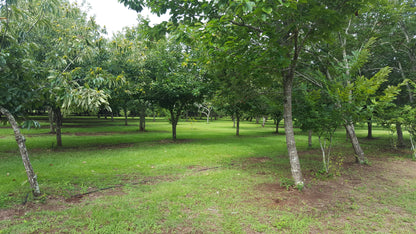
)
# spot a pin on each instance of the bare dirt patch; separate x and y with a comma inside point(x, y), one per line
point(358, 194)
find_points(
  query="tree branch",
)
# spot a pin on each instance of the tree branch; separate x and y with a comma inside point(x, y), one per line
point(247, 26)
point(310, 79)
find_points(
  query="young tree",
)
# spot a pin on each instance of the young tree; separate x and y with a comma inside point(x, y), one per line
point(177, 82)
point(316, 112)
point(205, 108)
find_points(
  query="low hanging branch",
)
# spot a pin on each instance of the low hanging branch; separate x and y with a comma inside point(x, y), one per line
point(20, 139)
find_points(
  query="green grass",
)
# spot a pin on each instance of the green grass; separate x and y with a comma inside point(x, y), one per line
point(208, 181)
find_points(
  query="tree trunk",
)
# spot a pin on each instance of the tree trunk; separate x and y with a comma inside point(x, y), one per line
point(174, 131)
point(360, 156)
point(58, 124)
point(347, 136)
point(20, 139)
point(369, 129)
point(233, 117)
point(277, 128)
point(208, 114)
point(174, 119)
point(51, 120)
point(277, 125)
point(409, 90)
point(112, 116)
point(257, 119)
point(125, 116)
point(288, 77)
point(142, 124)
point(400, 140)
point(310, 138)
point(237, 129)
point(290, 135)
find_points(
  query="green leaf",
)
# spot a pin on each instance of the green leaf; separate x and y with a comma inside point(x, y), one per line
point(248, 6)
point(267, 10)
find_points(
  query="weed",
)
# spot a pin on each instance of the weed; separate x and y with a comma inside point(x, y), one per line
point(42, 198)
point(300, 186)
point(367, 162)
point(337, 164)
point(287, 182)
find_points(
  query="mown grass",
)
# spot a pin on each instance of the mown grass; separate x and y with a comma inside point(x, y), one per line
point(207, 181)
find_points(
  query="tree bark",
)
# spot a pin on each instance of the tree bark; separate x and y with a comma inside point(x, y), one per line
point(142, 121)
point(174, 120)
point(174, 131)
point(237, 129)
point(277, 128)
point(233, 117)
point(51, 120)
point(400, 139)
point(369, 129)
point(310, 138)
point(409, 90)
point(58, 124)
point(288, 77)
point(359, 153)
point(20, 139)
point(277, 125)
point(290, 135)
point(125, 116)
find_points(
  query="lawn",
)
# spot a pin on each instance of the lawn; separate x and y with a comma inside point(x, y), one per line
point(110, 178)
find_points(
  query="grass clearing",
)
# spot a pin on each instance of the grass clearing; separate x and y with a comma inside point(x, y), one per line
point(111, 178)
